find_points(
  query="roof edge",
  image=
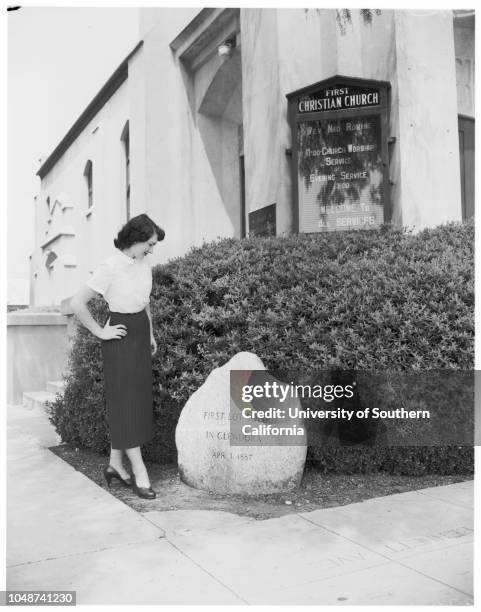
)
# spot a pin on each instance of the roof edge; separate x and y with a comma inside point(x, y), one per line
point(190, 28)
point(332, 79)
point(106, 92)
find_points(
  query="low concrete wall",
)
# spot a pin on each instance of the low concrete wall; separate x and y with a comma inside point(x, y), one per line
point(37, 350)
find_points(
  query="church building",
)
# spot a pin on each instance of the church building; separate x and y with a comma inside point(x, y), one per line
point(227, 122)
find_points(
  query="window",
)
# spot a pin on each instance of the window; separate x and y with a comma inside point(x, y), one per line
point(88, 181)
point(125, 138)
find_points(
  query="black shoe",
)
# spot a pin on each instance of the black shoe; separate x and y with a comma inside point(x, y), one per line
point(146, 493)
point(110, 472)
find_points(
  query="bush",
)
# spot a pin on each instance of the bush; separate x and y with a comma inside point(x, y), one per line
point(366, 300)
point(399, 460)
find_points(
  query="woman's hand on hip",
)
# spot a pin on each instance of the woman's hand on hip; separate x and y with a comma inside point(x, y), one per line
point(113, 332)
point(153, 344)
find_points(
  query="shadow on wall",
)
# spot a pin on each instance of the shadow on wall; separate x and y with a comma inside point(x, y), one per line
point(217, 113)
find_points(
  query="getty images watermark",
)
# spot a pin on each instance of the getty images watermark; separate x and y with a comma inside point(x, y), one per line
point(433, 408)
point(328, 393)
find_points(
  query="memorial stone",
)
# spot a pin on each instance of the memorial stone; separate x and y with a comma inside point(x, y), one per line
point(207, 459)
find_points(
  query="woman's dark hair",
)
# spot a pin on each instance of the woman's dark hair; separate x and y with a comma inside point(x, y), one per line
point(139, 229)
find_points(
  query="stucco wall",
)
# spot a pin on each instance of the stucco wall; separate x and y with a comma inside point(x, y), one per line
point(157, 166)
point(428, 122)
point(284, 50)
point(264, 138)
point(180, 160)
point(465, 63)
point(37, 349)
point(91, 242)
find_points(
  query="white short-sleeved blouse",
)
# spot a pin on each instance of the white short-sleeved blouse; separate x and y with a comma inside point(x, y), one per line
point(124, 282)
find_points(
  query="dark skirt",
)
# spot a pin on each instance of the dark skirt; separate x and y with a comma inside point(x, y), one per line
point(128, 382)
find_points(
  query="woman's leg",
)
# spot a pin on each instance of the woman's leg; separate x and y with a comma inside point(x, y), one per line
point(138, 467)
point(116, 462)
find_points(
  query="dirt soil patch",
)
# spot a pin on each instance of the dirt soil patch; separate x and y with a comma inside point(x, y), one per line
point(317, 490)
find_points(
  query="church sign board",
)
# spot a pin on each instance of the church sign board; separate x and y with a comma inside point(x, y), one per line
point(339, 155)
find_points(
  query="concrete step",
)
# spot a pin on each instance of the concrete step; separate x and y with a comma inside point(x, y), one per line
point(37, 399)
point(56, 386)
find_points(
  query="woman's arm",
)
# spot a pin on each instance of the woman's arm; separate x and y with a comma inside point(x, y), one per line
point(153, 343)
point(79, 306)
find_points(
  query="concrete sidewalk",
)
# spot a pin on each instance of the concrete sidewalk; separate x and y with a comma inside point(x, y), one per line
point(66, 533)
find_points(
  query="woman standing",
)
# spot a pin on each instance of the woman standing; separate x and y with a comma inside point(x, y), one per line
point(125, 281)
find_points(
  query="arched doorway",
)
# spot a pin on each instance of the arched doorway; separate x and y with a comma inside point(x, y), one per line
point(219, 119)
point(210, 59)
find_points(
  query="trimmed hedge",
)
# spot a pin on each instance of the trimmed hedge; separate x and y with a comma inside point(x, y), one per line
point(366, 300)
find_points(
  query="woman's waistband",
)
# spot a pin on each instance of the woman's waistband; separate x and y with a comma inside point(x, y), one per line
point(127, 314)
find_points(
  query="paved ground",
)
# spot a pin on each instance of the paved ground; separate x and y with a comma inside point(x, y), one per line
point(66, 533)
